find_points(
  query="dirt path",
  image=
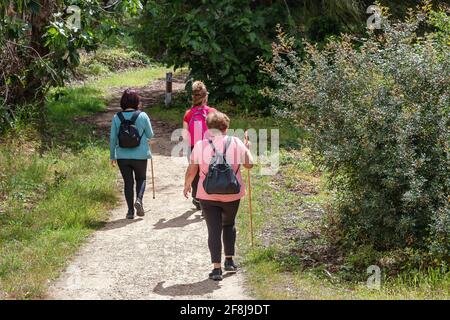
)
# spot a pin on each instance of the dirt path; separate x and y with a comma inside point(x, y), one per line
point(162, 256)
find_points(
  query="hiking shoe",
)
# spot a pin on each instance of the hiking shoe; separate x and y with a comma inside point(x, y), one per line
point(196, 203)
point(230, 266)
point(130, 215)
point(139, 208)
point(216, 275)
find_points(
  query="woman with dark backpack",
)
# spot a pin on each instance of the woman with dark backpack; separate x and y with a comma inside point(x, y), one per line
point(130, 131)
point(194, 126)
point(220, 187)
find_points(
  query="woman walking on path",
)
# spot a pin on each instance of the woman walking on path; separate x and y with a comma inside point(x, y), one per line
point(219, 210)
point(194, 125)
point(130, 131)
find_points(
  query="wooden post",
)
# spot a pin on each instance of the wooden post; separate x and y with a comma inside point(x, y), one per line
point(168, 98)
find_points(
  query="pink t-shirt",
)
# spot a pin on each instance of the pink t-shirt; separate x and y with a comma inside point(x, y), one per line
point(202, 155)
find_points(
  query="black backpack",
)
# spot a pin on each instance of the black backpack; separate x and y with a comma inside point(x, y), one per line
point(221, 178)
point(128, 133)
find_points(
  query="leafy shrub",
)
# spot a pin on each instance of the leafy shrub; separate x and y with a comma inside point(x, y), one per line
point(39, 49)
point(219, 41)
point(378, 119)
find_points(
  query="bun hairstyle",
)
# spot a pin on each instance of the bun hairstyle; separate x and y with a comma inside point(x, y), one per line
point(130, 99)
point(199, 93)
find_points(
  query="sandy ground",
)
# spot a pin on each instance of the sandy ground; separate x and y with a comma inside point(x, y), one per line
point(161, 256)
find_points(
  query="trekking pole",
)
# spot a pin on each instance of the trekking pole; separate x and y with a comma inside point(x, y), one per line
point(249, 197)
point(250, 204)
point(153, 177)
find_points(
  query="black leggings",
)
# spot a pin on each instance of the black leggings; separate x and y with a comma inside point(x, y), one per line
point(220, 217)
point(139, 168)
point(196, 179)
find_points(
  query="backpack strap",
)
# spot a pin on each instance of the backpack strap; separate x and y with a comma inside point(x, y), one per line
point(227, 144)
point(121, 117)
point(212, 145)
point(135, 116)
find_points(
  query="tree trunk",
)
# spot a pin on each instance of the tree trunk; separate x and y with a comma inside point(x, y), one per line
point(39, 21)
point(34, 92)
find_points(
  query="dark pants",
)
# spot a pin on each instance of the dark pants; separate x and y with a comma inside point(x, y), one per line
point(139, 168)
point(220, 219)
point(194, 184)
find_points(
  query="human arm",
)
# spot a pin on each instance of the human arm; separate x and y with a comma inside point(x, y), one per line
point(185, 133)
point(113, 142)
point(247, 155)
point(191, 172)
point(148, 130)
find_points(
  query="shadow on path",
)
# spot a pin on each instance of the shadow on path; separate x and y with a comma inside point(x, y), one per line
point(178, 222)
point(117, 224)
point(197, 288)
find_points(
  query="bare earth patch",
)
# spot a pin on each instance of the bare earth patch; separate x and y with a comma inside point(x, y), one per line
point(162, 256)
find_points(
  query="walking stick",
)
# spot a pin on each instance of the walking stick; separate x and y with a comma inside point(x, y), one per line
point(153, 177)
point(250, 204)
point(249, 197)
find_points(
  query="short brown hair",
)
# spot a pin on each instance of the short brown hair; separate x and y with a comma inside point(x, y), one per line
point(130, 99)
point(218, 120)
point(199, 92)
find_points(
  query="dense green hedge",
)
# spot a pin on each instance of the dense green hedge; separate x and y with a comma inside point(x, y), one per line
point(219, 41)
point(377, 111)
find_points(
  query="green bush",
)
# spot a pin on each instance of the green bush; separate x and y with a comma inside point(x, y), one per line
point(219, 41)
point(378, 120)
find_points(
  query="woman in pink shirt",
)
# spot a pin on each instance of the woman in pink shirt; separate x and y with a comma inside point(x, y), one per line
point(194, 125)
point(219, 210)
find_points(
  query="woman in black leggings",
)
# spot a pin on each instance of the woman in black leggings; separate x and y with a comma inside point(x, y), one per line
point(219, 210)
point(132, 161)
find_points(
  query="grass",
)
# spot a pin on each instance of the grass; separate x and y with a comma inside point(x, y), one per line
point(289, 215)
point(131, 78)
point(51, 201)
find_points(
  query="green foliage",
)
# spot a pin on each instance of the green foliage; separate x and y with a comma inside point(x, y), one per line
point(219, 41)
point(107, 60)
point(48, 205)
point(378, 119)
point(40, 49)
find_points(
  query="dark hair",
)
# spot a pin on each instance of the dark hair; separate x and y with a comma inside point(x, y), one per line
point(130, 99)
